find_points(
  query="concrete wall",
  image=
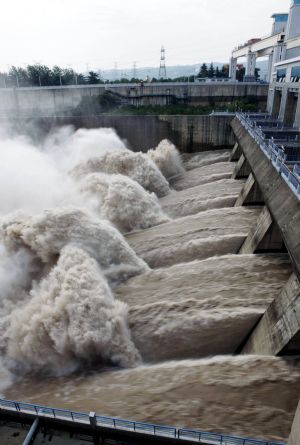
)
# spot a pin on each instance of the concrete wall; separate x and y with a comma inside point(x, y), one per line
point(196, 133)
point(189, 133)
point(57, 101)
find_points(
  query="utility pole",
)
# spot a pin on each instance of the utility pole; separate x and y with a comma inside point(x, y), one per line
point(162, 74)
point(134, 70)
point(115, 70)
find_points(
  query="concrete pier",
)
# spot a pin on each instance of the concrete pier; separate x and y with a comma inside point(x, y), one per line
point(282, 203)
point(264, 236)
point(236, 153)
point(278, 226)
point(294, 438)
point(278, 330)
point(242, 169)
point(250, 193)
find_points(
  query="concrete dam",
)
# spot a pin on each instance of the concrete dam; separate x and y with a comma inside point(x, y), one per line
point(159, 286)
point(63, 100)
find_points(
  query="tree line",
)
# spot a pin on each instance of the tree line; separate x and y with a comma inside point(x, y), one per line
point(42, 75)
point(212, 72)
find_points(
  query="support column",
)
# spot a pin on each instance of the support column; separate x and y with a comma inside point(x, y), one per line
point(242, 169)
point(297, 116)
point(232, 68)
point(279, 52)
point(31, 433)
point(270, 68)
point(250, 67)
point(264, 236)
point(250, 194)
point(278, 332)
point(236, 153)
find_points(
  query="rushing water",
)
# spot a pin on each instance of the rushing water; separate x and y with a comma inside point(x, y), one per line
point(172, 317)
point(89, 318)
point(247, 395)
point(208, 233)
point(194, 160)
point(220, 194)
point(202, 175)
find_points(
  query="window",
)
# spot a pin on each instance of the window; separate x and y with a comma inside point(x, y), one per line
point(281, 75)
point(295, 74)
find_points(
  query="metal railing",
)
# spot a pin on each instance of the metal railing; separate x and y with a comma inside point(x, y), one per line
point(129, 425)
point(273, 152)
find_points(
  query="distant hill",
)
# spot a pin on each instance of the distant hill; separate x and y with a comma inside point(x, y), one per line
point(172, 71)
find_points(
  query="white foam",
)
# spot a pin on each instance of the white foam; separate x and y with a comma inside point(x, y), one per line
point(137, 166)
point(167, 158)
point(71, 317)
point(47, 233)
point(124, 202)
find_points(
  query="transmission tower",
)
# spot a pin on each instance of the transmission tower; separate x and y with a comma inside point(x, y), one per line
point(162, 74)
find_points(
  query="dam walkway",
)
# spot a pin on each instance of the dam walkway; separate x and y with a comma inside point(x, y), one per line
point(286, 163)
point(89, 427)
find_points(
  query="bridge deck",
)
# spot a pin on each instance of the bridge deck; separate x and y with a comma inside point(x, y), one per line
point(96, 427)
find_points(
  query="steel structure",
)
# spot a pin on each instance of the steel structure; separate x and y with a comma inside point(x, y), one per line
point(162, 74)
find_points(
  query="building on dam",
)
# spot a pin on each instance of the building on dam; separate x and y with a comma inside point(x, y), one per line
point(282, 47)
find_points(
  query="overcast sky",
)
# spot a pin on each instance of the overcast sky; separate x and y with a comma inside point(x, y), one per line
point(98, 33)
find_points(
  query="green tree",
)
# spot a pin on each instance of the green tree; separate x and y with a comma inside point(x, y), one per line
point(81, 80)
point(93, 78)
point(203, 71)
point(39, 75)
point(225, 71)
point(57, 75)
point(108, 101)
point(211, 71)
point(240, 73)
point(18, 77)
point(68, 76)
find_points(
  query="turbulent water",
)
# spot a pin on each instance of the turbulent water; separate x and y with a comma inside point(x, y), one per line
point(224, 193)
point(203, 175)
point(71, 316)
point(167, 159)
point(213, 232)
point(171, 317)
point(112, 263)
point(247, 395)
point(138, 166)
point(139, 210)
point(194, 160)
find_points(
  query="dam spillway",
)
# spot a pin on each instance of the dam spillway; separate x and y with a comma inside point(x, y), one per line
point(191, 300)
